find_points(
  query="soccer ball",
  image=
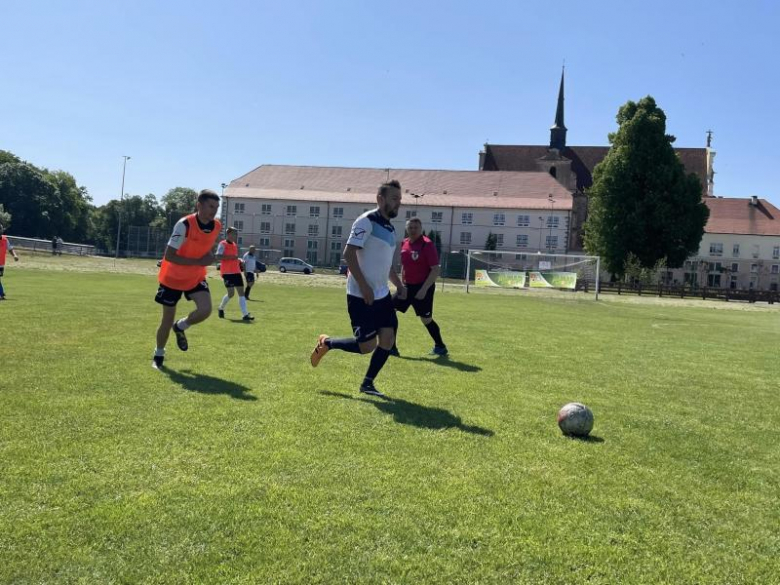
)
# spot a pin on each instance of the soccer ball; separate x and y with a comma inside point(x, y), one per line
point(575, 420)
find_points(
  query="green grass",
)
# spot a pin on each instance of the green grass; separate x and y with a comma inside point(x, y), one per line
point(243, 464)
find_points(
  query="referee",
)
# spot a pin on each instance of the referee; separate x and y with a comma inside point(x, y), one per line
point(419, 271)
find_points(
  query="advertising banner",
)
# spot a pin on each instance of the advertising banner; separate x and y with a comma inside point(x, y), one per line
point(552, 280)
point(506, 279)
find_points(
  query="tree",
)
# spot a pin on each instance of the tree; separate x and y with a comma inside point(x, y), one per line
point(491, 243)
point(642, 202)
point(30, 198)
point(176, 203)
point(435, 237)
point(5, 217)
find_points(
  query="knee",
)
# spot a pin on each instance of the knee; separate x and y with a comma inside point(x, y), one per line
point(426, 320)
point(368, 346)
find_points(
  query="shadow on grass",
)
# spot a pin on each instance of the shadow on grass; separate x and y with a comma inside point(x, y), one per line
point(208, 384)
point(588, 439)
point(443, 361)
point(409, 413)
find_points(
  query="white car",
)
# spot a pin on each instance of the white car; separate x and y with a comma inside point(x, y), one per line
point(295, 265)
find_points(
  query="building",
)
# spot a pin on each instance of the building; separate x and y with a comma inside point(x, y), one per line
point(740, 248)
point(308, 211)
point(573, 166)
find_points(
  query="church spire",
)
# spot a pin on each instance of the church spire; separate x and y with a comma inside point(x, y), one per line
point(558, 130)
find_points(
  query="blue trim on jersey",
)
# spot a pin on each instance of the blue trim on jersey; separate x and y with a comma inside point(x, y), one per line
point(382, 229)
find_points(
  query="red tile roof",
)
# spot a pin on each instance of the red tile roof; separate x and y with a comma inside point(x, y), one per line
point(501, 190)
point(499, 157)
point(739, 216)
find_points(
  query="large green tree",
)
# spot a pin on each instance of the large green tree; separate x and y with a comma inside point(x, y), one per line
point(30, 198)
point(176, 203)
point(642, 202)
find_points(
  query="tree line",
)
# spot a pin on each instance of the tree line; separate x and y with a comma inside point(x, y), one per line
point(40, 203)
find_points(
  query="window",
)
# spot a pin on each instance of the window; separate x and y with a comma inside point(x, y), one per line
point(775, 268)
point(499, 240)
point(754, 268)
point(338, 212)
point(289, 247)
point(523, 220)
point(314, 211)
point(291, 211)
point(437, 216)
point(713, 280)
point(499, 219)
point(265, 227)
point(776, 253)
point(465, 238)
point(735, 251)
point(467, 219)
point(335, 246)
point(410, 213)
point(265, 242)
point(521, 257)
point(289, 229)
point(755, 250)
point(314, 230)
point(312, 244)
point(239, 225)
point(551, 242)
point(238, 208)
point(335, 231)
point(753, 282)
point(553, 221)
point(733, 283)
point(716, 267)
point(265, 209)
point(735, 266)
point(240, 240)
point(522, 240)
point(716, 249)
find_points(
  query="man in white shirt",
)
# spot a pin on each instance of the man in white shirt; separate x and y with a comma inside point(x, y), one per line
point(369, 255)
point(250, 267)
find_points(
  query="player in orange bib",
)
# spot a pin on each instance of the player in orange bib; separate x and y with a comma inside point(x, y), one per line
point(230, 269)
point(183, 272)
point(5, 246)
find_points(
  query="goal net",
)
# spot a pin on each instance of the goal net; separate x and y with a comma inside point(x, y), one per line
point(532, 272)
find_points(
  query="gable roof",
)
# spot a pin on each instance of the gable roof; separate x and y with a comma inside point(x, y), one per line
point(503, 189)
point(740, 216)
point(501, 157)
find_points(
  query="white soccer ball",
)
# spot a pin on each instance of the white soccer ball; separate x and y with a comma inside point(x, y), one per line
point(575, 420)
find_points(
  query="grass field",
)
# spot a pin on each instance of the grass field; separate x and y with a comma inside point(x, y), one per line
point(242, 464)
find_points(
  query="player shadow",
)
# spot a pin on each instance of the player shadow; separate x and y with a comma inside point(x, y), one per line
point(208, 384)
point(588, 439)
point(443, 360)
point(409, 413)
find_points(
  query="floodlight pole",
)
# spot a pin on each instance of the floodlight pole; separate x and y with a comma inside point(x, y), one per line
point(121, 200)
point(227, 210)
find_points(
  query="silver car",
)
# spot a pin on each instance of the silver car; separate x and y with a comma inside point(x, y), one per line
point(295, 265)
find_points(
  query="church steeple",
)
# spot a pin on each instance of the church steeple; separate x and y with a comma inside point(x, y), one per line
point(558, 130)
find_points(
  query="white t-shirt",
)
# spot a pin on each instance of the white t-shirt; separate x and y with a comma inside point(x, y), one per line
point(250, 262)
point(375, 236)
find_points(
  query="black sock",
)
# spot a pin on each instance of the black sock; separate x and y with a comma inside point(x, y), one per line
point(378, 359)
point(349, 344)
point(433, 329)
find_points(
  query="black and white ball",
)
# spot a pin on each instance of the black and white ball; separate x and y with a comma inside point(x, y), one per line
point(575, 420)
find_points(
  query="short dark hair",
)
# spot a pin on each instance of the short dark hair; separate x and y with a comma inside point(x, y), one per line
point(207, 194)
point(414, 220)
point(385, 187)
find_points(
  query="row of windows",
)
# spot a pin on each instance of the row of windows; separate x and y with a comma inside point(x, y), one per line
point(716, 249)
point(466, 218)
point(521, 240)
point(719, 267)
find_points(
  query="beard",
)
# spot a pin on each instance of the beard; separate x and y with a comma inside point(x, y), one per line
point(391, 213)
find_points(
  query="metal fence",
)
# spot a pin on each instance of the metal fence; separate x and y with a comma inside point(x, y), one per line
point(39, 246)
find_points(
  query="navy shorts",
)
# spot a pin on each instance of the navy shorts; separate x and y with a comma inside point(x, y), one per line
point(2, 269)
point(232, 280)
point(367, 320)
point(170, 296)
point(422, 308)
point(250, 277)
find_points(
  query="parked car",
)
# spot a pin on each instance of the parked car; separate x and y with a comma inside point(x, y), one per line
point(295, 265)
point(343, 268)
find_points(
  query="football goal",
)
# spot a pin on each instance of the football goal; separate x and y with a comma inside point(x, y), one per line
point(532, 271)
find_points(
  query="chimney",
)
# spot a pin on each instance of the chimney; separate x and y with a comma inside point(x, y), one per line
point(754, 200)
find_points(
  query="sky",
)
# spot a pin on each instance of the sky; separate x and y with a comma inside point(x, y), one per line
point(199, 93)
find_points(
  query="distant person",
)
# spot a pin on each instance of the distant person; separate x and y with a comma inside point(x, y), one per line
point(60, 246)
point(5, 246)
point(369, 255)
point(183, 272)
point(230, 269)
point(54, 246)
point(251, 267)
point(419, 271)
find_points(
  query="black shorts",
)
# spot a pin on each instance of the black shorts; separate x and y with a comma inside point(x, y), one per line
point(170, 296)
point(232, 280)
point(422, 308)
point(367, 320)
point(250, 277)
point(2, 269)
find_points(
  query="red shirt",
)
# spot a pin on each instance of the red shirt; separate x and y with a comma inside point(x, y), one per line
point(417, 259)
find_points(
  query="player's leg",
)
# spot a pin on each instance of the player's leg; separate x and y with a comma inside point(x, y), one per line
point(424, 310)
point(250, 281)
point(401, 305)
point(363, 329)
point(167, 298)
point(201, 296)
point(2, 290)
point(386, 322)
point(239, 288)
point(227, 297)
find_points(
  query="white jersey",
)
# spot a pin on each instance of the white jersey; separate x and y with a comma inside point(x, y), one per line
point(250, 262)
point(375, 236)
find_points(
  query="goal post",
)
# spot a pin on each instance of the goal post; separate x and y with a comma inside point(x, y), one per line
point(532, 271)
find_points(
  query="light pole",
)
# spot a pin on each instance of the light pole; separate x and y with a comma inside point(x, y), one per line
point(225, 204)
point(121, 199)
point(541, 229)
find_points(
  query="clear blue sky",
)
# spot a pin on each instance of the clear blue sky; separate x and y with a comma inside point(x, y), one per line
point(199, 93)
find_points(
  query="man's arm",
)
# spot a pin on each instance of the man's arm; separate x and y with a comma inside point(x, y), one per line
point(350, 255)
point(429, 282)
point(399, 285)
